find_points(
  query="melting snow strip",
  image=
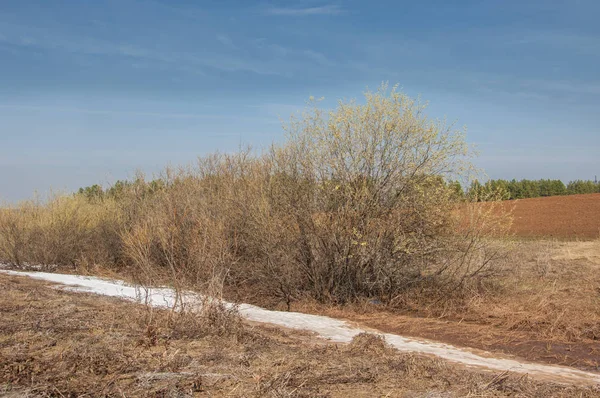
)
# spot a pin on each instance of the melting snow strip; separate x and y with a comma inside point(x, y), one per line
point(332, 329)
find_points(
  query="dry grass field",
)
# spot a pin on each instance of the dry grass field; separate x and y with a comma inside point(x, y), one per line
point(55, 343)
point(543, 306)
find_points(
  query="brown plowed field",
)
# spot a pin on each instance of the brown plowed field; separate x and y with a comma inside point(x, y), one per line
point(573, 216)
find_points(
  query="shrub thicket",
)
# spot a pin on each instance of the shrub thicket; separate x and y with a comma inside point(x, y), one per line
point(359, 201)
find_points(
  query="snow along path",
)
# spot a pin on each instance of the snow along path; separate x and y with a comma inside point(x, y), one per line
point(334, 330)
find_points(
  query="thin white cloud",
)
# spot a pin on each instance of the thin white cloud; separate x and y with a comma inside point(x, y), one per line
point(535, 89)
point(264, 117)
point(180, 60)
point(226, 41)
point(318, 57)
point(564, 86)
point(111, 112)
point(279, 51)
point(330, 9)
point(588, 45)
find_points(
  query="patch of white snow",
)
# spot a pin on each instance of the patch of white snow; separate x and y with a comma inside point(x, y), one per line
point(332, 329)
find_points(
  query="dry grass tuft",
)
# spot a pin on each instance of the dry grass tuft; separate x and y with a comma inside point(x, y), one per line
point(368, 342)
point(55, 343)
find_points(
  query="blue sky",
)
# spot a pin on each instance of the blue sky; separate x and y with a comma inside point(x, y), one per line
point(90, 91)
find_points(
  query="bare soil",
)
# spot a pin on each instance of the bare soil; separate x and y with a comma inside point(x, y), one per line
point(564, 217)
point(55, 343)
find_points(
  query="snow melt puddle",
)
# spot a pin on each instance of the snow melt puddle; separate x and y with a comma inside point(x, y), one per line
point(332, 329)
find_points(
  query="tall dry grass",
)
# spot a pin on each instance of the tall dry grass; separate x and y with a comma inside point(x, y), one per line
point(354, 204)
point(63, 230)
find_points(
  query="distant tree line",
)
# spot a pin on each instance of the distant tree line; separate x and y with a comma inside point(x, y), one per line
point(524, 189)
point(118, 189)
point(490, 190)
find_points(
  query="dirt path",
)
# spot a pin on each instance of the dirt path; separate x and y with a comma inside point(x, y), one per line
point(334, 330)
point(525, 345)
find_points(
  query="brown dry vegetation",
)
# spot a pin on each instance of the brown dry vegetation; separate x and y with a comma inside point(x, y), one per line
point(355, 204)
point(542, 305)
point(55, 343)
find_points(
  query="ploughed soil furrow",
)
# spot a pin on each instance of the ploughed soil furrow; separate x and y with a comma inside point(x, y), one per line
point(564, 217)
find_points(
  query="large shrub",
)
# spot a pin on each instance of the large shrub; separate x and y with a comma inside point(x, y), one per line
point(360, 201)
point(367, 212)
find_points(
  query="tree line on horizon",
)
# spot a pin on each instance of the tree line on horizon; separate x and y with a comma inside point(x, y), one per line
point(503, 189)
point(525, 189)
